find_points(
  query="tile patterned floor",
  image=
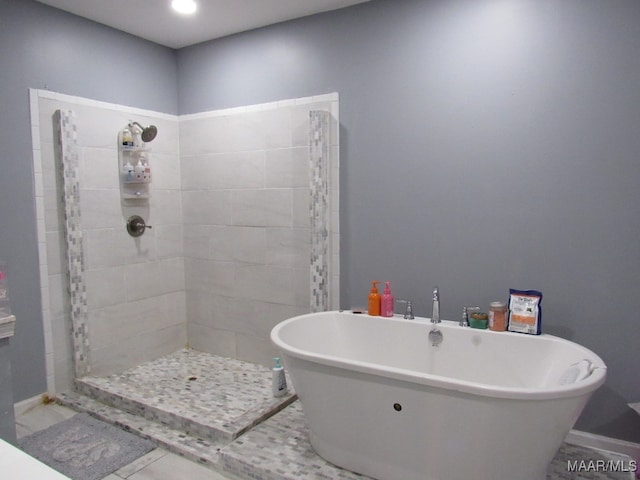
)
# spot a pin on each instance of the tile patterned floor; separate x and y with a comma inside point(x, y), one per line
point(235, 398)
point(159, 464)
point(279, 449)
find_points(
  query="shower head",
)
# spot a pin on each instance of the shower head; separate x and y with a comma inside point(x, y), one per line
point(148, 133)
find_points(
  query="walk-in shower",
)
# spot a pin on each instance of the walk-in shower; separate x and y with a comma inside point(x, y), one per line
point(244, 208)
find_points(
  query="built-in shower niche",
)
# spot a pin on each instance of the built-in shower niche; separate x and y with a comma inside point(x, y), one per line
point(230, 250)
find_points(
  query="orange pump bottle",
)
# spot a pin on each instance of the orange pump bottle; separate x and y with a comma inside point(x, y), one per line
point(374, 299)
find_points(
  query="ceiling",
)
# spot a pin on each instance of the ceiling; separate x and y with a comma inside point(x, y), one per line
point(155, 20)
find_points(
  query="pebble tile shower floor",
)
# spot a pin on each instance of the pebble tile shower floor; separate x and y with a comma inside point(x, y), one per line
point(209, 396)
point(220, 412)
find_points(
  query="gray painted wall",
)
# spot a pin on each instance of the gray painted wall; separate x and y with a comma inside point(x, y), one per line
point(7, 418)
point(482, 149)
point(485, 145)
point(44, 48)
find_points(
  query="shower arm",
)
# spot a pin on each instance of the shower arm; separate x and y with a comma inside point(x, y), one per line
point(131, 124)
point(147, 133)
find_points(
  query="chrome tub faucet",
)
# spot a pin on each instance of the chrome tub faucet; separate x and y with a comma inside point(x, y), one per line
point(435, 315)
point(435, 335)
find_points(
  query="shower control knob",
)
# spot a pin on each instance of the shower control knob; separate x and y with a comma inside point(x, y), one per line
point(136, 225)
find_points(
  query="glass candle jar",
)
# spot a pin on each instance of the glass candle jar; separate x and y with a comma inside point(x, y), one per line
point(498, 316)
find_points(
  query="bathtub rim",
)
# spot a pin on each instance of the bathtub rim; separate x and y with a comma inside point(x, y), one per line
point(586, 386)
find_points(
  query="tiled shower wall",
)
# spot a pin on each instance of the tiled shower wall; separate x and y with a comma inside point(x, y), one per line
point(135, 287)
point(230, 214)
point(247, 230)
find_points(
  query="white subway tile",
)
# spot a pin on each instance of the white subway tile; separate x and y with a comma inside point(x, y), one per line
point(209, 276)
point(211, 340)
point(268, 283)
point(116, 323)
point(134, 350)
point(224, 171)
point(56, 253)
point(249, 244)
point(255, 349)
point(105, 286)
point(50, 174)
point(197, 241)
point(300, 126)
point(99, 168)
point(206, 207)
point(165, 207)
point(276, 125)
point(243, 132)
point(169, 241)
point(288, 247)
point(262, 207)
point(152, 279)
point(287, 167)
point(300, 212)
point(100, 208)
point(165, 171)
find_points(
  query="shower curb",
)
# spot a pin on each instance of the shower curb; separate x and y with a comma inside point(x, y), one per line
point(197, 449)
point(138, 408)
point(214, 433)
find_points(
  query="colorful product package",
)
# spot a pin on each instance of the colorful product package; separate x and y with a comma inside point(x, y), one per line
point(525, 312)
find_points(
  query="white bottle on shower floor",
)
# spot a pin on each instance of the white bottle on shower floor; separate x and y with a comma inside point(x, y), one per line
point(278, 380)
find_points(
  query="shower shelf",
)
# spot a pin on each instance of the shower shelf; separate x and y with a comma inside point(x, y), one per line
point(135, 173)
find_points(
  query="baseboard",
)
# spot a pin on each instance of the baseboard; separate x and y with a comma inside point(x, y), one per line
point(601, 442)
point(24, 406)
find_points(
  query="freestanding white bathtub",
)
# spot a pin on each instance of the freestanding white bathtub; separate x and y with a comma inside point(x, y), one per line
point(380, 400)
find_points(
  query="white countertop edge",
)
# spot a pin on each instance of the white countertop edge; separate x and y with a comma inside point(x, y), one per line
point(17, 465)
point(7, 326)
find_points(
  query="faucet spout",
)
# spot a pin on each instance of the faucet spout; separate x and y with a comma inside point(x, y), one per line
point(435, 315)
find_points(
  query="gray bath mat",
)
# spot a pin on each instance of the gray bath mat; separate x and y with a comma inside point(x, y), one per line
point(84, 448)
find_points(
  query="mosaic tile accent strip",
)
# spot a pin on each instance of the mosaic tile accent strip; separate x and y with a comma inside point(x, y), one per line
point(319, 159)
point(201, 394)
point(67, 157)
point(279, 449)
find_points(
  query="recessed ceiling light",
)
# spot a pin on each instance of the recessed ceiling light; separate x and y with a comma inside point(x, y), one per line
point(184, 6)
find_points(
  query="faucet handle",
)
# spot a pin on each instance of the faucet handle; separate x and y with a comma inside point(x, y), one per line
point(464, 321)
point(408, 312)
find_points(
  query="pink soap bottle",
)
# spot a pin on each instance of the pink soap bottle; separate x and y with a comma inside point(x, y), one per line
point(387, 302)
